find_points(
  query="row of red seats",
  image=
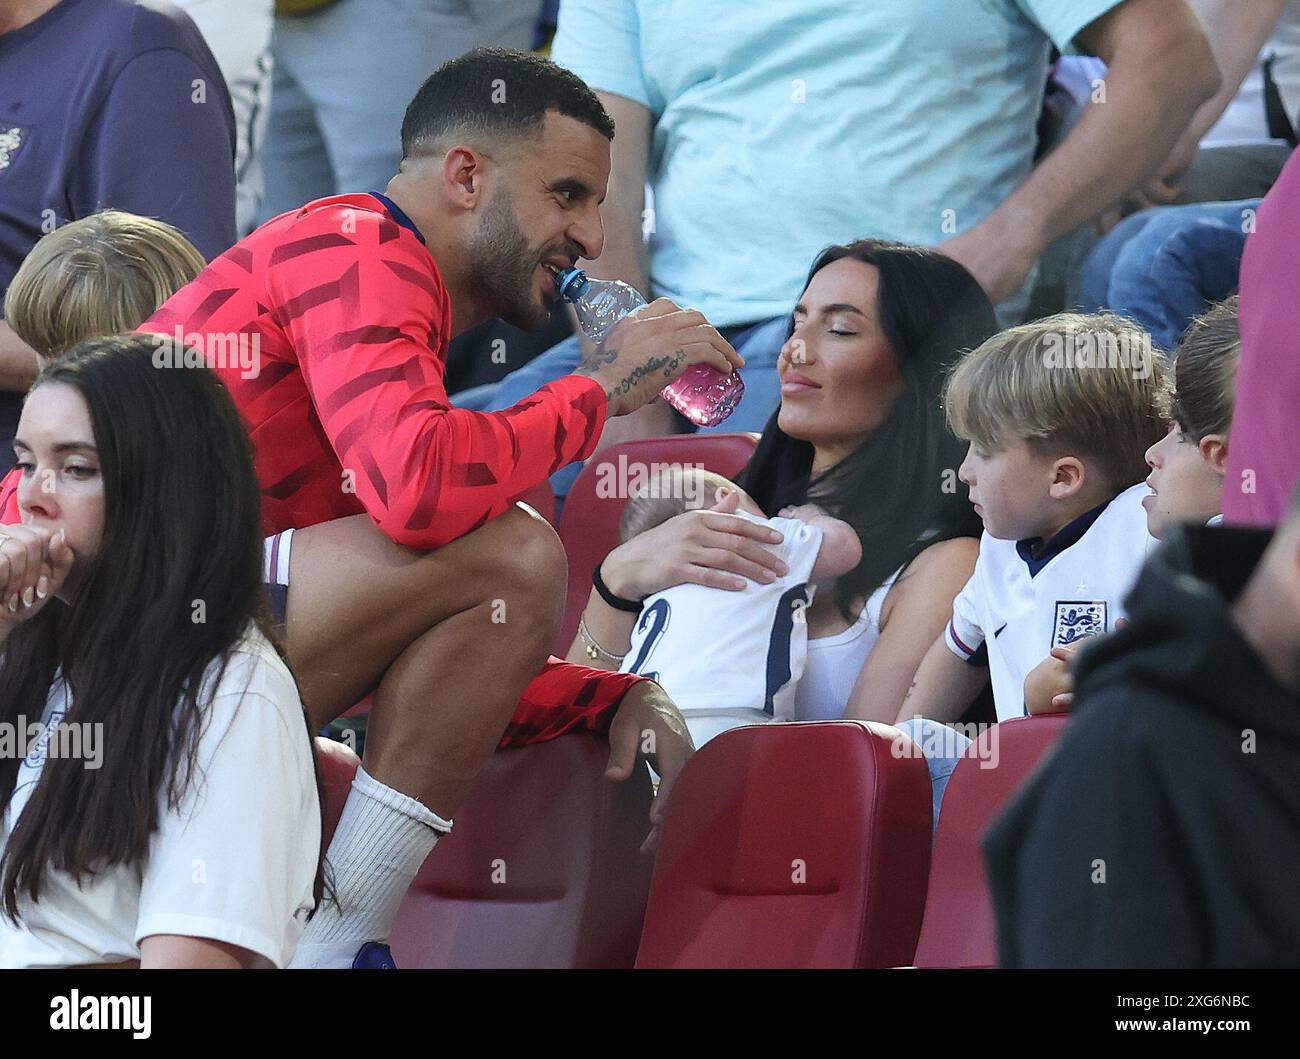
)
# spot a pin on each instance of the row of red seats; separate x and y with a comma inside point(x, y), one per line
point(793, 845)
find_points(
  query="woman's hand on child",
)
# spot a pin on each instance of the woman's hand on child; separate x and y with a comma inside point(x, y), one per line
point(712, 547)
point(34, 563)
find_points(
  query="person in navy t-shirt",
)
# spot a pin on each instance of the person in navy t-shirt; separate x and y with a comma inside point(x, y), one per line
point(105, 103)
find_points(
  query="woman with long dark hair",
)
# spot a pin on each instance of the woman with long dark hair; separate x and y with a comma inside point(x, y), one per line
point(861, 434)
point(169, 813)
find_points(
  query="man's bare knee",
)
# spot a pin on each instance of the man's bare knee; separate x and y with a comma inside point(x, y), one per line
point(526, 571)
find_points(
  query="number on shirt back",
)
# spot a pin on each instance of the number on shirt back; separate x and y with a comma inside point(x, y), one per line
point(655, 618)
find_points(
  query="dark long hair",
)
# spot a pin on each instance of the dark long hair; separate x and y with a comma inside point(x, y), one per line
point(182, 524)
point(899, 488)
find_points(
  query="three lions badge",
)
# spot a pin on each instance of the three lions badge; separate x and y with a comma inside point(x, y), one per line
point(1077, 620)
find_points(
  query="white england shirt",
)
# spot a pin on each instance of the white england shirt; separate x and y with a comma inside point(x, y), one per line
point(731, 658)
point(236, 862)
point(1017, 605)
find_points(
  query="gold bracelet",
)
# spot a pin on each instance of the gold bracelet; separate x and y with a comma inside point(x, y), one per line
point(593, 649)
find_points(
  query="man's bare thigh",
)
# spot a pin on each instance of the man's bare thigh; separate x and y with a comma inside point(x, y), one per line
point(357, 600)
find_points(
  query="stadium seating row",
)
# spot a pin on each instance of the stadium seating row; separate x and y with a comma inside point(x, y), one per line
point(794, 845)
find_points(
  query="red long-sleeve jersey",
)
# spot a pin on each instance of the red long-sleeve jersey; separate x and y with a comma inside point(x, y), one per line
point(329, 325)
point(342, 321)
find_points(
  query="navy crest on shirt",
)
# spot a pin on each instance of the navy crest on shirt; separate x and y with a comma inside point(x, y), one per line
point(12, 138)
point(1076, 620)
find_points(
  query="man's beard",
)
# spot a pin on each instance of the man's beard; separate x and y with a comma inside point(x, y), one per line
point(502, 266)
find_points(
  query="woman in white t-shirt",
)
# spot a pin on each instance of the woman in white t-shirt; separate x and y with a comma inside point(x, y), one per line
point(166, 811)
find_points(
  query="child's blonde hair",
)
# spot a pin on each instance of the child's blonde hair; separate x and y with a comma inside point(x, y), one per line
point(667, 494)
point(100, 275)
point(1088, 385)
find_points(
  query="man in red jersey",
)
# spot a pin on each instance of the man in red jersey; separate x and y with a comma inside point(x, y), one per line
point(404, 567)
point(448, 610)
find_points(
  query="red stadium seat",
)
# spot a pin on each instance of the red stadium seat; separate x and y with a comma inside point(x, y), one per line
point(792, 845)
point(589, 525)
point(959, 929)
point(362, 707)
point(338, 765)
point(542, 868)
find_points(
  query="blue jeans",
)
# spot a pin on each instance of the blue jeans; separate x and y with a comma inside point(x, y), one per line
point(1164, 267)
point(760, 344)
point(942, 747)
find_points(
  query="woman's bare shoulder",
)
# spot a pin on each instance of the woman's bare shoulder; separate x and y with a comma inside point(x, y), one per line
point(956, 551)
point(941, 565)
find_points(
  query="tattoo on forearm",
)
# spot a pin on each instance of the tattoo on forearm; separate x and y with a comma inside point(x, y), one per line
point(650, 367)
point(599, 358)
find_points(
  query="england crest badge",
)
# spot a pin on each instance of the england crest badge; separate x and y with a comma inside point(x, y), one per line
point(1077, 620)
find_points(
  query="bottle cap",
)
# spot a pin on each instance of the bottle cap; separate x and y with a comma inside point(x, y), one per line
point(572, 284)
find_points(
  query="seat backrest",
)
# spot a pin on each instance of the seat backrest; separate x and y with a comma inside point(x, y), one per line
point(542, 867)
point(959, 929)
point(589, 523)
point(792, 845)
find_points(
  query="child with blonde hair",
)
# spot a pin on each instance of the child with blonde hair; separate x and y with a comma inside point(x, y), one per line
point(1059, 414)
point(100, 275)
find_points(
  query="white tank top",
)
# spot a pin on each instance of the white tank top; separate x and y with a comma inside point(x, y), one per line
point(834, 662)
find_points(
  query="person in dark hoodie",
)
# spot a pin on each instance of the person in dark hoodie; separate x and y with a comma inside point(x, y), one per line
point(1164, 831)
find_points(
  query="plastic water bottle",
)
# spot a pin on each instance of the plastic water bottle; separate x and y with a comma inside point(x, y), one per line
point(701, 393)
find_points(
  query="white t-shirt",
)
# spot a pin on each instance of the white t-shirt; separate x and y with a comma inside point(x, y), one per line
point(1019, 607)
point(236, 863)
point(736, 656)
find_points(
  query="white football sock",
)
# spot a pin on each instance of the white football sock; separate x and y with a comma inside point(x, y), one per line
point(382, 839)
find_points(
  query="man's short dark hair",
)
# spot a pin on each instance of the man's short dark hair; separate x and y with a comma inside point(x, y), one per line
point(498, 90)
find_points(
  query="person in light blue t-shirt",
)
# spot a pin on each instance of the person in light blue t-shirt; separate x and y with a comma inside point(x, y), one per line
point(769, 130)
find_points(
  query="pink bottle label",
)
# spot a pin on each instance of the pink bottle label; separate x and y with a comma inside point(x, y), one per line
point(704, 395)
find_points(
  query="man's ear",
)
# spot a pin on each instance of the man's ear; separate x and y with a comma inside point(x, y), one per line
point(1214, 451)
point(1067, 477)
point(464, 177)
